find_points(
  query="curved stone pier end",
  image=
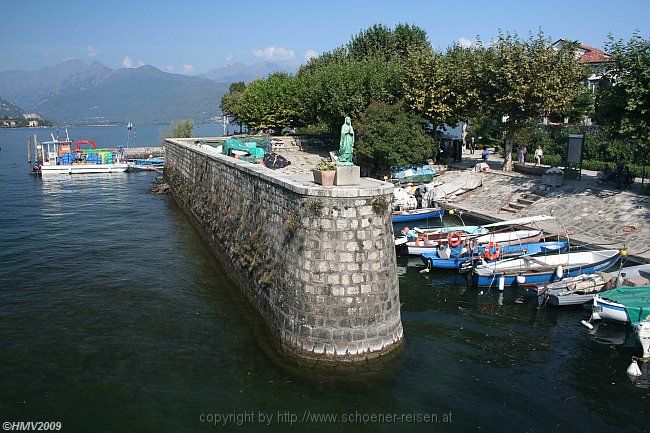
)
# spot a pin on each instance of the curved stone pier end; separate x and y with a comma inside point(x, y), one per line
point(317, 263)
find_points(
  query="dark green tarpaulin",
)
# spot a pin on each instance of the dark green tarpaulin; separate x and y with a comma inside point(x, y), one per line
point(635, 299)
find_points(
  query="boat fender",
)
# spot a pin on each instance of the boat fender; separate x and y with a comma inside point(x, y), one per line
point(633, 369)
point(492, 250)
point(502, 283)
point(521, 279)
point(454, 239)
point(559, 271)
point(587, 324)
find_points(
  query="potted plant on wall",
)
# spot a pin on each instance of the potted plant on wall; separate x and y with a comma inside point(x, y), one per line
point(324, 173)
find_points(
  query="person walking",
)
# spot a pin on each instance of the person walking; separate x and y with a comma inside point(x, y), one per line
point(472, 146)
point(539, 154)
point(520, 155)
point(485, 154)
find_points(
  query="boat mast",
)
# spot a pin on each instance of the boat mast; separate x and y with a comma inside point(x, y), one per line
point(129, 127)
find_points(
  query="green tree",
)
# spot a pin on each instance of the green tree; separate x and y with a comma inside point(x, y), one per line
point(181, 129)
point(271, 103)
point(346, 88)
point(230, 101)
point(444, 88)
point(624, 99)
point(520, 80)
point(391, 135)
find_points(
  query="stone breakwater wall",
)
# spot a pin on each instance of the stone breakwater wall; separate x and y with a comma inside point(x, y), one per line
point(317, 263)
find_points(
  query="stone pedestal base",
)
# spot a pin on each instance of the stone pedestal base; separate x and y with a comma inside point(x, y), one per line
point(347, 175)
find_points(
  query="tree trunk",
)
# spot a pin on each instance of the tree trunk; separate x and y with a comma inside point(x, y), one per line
point(507, 160)
point(463, 133)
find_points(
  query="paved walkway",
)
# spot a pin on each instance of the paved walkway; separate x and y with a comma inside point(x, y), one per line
point(592, 214)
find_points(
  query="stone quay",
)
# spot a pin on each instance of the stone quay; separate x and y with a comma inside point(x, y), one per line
point(317, 263)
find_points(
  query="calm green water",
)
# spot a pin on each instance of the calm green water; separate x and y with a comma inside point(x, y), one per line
point(114, 316)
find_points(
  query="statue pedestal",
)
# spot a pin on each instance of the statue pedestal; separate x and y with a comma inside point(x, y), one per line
point(347, 175)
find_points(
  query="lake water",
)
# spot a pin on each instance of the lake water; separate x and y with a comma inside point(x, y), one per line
point(114, 316)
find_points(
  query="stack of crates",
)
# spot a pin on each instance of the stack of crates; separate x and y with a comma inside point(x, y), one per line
point(67, 158)
point(107, 157)
point(93, 158)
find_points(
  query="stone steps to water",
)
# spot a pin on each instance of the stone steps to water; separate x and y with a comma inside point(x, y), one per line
point(520, 201)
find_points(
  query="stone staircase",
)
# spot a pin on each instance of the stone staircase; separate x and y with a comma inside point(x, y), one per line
point(519, 201)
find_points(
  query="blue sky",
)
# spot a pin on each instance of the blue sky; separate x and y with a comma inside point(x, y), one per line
point(195, 36)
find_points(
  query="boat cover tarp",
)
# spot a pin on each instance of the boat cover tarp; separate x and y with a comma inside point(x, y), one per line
point(459, 185)
point(635, 299)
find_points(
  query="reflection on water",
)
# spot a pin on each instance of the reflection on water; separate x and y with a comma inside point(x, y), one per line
point(114, 316)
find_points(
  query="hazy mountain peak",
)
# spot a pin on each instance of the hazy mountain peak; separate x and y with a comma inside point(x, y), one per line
point(73, 91)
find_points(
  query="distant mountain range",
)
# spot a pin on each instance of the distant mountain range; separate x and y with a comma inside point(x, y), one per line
point(242, 72)
point(8, 109)
point(74, 91)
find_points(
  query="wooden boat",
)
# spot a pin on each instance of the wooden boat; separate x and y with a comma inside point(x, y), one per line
point(443, 232)
point(626, 304)
point(417, 215)
point(470, 230)
point(430, 243)
point(574, 291)
point(455, 259)
point(543, 269)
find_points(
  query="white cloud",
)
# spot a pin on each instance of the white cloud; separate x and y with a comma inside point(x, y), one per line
point(128, 63)
point(310, 54)
point(188, 69)
point(273, 53)
point(168, 68)
point(464, 42)
point(92, 51)
point(229, 58)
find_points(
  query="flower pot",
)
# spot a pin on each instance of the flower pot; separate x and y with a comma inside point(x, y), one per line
point(324, 178)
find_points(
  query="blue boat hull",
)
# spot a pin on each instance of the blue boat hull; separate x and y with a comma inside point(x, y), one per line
point(433, 261)
point(546, 277)
point(418, 217)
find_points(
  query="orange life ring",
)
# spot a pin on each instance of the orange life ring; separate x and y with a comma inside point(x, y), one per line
point(454, 239)
point(421, 238)
point(492, 255)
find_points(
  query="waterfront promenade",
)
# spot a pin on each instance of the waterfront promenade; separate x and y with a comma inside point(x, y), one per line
point(599, 215)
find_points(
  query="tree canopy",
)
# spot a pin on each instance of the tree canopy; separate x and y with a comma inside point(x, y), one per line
point(384, 76)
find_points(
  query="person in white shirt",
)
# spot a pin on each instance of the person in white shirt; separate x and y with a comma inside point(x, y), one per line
point(539, 154)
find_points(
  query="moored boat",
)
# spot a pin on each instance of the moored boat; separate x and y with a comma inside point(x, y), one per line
point(455, 258)
point(428, 244)
point(626, 304)
point(543, 269)
point(417, 215)
point(574, 291)
point(58, 157)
